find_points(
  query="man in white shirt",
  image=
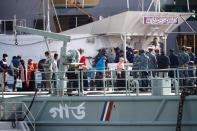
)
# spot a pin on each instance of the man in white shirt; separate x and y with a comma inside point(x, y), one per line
point(55, 70)
point(48, 70)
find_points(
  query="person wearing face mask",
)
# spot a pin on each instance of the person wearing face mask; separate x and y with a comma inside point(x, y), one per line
point(3, 72)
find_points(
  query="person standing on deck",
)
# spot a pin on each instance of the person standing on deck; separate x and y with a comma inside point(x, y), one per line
point(121, 74)
point(191, 54)
point(152, 63)
point(3, 72)
point(183, 58)
point(163, 63)
point(143, 66)
point(48, 71)
point(82, 66)
point(55, 70)
point(30, 75)
point(100, 69)
point(174, 63)
point(136, 61)
point(22, 75)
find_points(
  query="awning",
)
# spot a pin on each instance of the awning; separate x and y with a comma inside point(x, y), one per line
point(134, 23)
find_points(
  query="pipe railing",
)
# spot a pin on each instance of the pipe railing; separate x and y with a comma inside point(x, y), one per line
point(16, 111)
point(107, 82)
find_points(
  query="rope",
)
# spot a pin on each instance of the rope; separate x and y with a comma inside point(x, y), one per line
point(32, 101)
point(3, 43)
point(84, 12)
point(58, 22)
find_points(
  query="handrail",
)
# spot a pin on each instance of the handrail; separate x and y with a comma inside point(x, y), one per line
point(10, 109)
point(96, 83)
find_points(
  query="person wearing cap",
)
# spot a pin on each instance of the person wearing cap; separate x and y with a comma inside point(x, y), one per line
point(184, 59)
point(143, 66)
point(157, 52)
point(191, 54)
point(81, 68)
point(136, 62)
point(152, 63)
point(3, 72)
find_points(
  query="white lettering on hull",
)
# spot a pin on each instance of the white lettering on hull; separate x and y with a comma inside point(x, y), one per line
point(63, 111)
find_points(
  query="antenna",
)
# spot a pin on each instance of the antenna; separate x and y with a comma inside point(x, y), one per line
point(44, 17)
point(188, 6)
point(128, 6)
point(48, 16)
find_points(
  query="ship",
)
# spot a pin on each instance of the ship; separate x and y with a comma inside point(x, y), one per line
point(165, 104)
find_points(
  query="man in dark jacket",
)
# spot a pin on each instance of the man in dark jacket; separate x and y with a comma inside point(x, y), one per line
point(174, 62)
point(163, 62)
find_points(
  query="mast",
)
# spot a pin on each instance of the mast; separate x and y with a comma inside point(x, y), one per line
point(44, 16)
point(128, 6)
point(48, 16)
point(188, 6)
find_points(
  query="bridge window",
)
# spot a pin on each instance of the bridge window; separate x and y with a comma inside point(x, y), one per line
point(188, 40)
point(71, 21)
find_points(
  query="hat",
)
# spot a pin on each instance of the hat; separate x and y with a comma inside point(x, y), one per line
point(135, 51)
point(30, 61)
point(157, 49)
point(81, 50)
point(141, 51)
point(188, 48)
point(150, 48)
point(171, 50)
point(121, 58)
point(5, 55)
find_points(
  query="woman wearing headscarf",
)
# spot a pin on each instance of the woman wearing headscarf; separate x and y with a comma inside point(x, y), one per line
point(120, 73)
point(30, 75)
point(22, 75)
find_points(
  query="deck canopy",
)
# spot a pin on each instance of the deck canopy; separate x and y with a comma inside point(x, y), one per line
point(134, 23)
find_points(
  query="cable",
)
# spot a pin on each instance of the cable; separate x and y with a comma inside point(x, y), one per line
point(3, 43)
point(32, 101)
point(84, 12)
point(58, 22)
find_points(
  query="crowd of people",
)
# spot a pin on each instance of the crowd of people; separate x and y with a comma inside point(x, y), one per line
point(24, 74)
point(145, 62)
point(142, 60)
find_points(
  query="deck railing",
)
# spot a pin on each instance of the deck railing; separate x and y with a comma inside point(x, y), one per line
point(129, 82)
point(16, 111)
